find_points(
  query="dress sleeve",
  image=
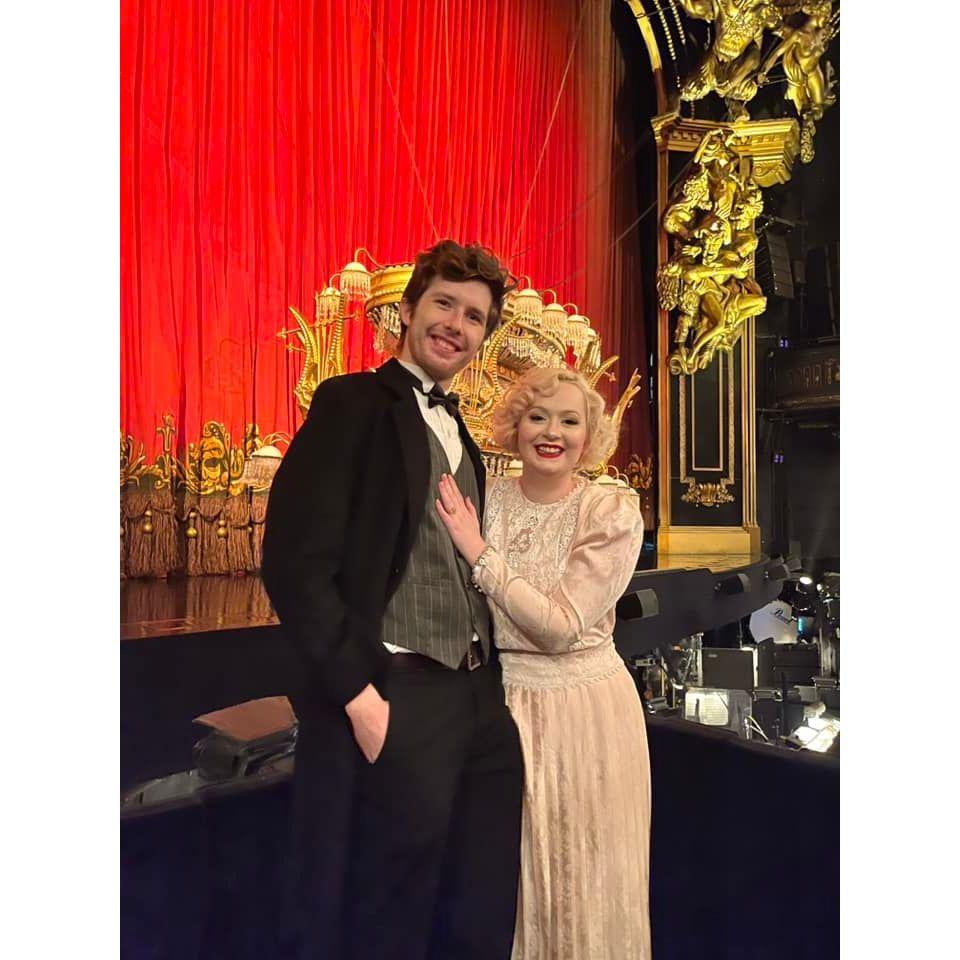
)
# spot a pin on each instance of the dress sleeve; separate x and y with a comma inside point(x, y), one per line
point(601, 562)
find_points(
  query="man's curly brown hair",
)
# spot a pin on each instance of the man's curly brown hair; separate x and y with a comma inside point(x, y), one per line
point(454, 262)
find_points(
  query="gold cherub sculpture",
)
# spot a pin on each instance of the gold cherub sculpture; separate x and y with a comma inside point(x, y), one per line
point(730, 65)
point(809, 85)
point(708, 277)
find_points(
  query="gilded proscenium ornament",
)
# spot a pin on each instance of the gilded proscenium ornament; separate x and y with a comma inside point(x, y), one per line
point(707, 494)
point(773, 145)
point(734, 67)
point(729, 67)
point(803, 42)
point(708, 276)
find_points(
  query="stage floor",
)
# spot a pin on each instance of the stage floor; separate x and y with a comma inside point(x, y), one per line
point(182, 605)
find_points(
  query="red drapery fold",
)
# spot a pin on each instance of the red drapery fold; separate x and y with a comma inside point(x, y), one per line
point(262, 142)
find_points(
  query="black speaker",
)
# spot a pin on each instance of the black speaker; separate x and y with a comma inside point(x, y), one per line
point(774, 270)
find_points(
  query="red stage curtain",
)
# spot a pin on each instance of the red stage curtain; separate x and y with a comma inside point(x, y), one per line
point(262, 142)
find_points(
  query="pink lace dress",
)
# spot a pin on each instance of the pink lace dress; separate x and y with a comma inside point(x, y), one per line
point(552, 578)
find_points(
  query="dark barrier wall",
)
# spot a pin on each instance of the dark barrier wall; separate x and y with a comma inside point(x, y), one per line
point(745, 860)
point(745, 848)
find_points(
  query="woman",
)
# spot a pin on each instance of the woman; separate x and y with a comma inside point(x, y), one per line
point(555, 554)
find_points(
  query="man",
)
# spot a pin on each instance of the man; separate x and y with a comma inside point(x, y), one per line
point(408, 767)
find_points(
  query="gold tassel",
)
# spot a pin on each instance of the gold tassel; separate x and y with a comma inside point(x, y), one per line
point(211, 549)
point(258, 514)
point(123, 548)
point(191, 510)
point(213, 534)
point(139, 532)
point(148, 538)
point(236, 513)
point(165, 559)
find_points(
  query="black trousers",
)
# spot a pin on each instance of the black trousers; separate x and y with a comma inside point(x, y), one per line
point(434, 854)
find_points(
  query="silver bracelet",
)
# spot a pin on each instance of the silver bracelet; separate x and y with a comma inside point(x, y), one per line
point(478, 566)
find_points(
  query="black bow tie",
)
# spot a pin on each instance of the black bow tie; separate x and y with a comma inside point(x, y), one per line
point(449, 401)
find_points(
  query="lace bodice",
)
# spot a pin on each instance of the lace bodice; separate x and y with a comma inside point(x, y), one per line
point(555, 571)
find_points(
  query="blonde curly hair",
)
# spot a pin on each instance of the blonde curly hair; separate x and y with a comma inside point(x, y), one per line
point(543, 382)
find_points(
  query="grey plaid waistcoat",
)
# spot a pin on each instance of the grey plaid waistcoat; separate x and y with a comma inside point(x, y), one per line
point(435, 610)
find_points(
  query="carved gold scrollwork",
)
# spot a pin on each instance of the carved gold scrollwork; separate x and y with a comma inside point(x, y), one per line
point(639, 473)
point(707, 494)
point(215, 465)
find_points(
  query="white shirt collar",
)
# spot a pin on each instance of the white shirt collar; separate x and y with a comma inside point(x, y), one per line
point(418, 372)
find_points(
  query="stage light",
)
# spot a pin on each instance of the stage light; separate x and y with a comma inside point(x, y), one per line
point(819, 588)
point(806, 581)
point(734, 584)
point(638, 605)
point(823, 742)
point(817, 732)
point(805, 734)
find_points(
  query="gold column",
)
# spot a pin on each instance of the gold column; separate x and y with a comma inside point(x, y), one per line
point(773, 146)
